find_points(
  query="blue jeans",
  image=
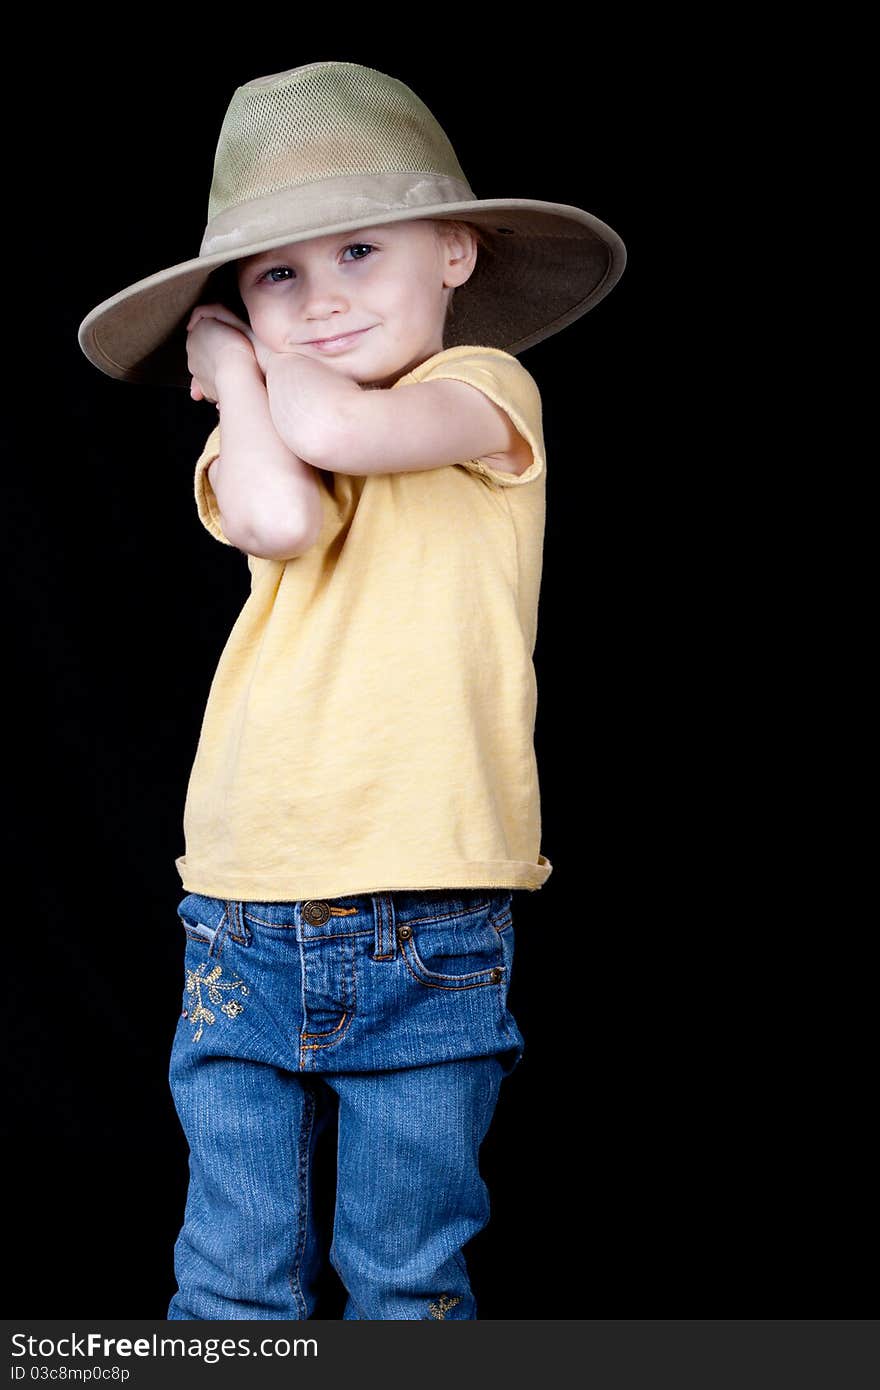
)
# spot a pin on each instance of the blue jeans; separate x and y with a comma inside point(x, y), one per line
point(391, 1008)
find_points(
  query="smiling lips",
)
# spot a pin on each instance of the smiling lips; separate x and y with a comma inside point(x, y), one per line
point(339, 343)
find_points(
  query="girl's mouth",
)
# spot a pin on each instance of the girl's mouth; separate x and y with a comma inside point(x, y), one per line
point(340, 343)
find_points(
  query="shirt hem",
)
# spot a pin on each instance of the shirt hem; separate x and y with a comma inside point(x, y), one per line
point(489, 873)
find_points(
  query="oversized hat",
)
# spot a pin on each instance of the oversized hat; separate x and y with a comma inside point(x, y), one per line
point(331, 147)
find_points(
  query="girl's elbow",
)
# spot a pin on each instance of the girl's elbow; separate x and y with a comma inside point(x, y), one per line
point(271, 542)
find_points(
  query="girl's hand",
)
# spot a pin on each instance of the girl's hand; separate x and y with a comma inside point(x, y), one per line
point(209, 336)
point(220, 331)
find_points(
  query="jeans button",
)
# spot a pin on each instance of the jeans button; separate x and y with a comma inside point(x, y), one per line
point(404, 933)
point(316, 914)
point(497, 974)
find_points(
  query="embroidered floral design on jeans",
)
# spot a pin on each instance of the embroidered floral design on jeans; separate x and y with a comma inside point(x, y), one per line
point(441, 1307)
point(197, 982)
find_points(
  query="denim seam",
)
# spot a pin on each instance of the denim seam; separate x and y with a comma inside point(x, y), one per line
point(328, 1032)
point(470, 911)
point(322, 936)
point(305, 1134)
point(324, 1047)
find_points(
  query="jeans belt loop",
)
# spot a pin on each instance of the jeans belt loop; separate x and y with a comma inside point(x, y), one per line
point(385, 944)
point(238, 927)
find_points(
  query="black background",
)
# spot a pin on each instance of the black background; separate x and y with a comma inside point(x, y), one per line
point(656, 1149)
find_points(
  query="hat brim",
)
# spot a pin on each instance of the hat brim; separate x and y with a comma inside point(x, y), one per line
point(547, 265)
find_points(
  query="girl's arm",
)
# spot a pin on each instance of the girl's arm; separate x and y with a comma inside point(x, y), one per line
point(269, 498)
point(307, 401)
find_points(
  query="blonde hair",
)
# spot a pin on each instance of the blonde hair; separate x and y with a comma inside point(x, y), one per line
point(445, 224)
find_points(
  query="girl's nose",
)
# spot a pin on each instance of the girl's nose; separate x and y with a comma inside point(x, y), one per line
point(321, 299)
point(321, 312)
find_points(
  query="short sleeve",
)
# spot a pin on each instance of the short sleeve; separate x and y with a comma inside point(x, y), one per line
point(206, 500)
point(504, 379)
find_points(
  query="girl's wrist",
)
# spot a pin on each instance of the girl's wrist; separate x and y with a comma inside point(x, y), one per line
point(234, 365)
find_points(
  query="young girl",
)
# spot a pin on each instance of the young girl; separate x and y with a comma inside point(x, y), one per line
point(364, 799)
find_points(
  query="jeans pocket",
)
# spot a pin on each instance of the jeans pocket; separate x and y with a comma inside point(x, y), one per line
point(456, 944)
point(211, 988)
point(203, 919)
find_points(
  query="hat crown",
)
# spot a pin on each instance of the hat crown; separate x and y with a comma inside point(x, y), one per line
point(323, 121)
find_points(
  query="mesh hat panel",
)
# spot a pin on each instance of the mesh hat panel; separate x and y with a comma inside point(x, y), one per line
point(334, 120)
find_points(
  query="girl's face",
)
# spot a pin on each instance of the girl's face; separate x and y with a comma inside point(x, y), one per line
point(387, 285)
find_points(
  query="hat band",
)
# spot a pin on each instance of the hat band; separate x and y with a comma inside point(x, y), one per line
point(313, 207)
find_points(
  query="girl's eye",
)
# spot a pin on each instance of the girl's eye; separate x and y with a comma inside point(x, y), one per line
point(277, 269)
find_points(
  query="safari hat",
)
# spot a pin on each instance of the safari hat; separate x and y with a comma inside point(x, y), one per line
point(331, 147)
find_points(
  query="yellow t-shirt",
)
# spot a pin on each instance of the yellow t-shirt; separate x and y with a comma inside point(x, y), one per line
point(370, 725)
